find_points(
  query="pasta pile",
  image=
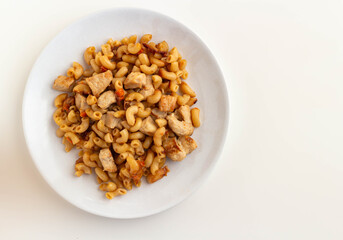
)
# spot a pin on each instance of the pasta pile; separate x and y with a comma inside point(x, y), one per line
point(127, 112)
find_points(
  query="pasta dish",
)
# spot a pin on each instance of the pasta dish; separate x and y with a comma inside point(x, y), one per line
point(127, 112)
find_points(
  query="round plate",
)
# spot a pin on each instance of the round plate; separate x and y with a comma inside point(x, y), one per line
point(57, 166)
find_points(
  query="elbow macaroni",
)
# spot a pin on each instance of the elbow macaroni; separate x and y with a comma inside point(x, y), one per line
point(158, 136)
point(75, 71)
point(130, 115)
point(167, 75)
point(155, 98)
point(148, 70)
point(186, 89)
point(89, 54)
point(195, 112)
point(105, 61)
point(135, 134)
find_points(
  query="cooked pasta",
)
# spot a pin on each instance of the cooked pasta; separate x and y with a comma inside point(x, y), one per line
point(127, 112)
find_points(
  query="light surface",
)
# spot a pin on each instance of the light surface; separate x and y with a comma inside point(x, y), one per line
point(57, 167)
point(281, 173)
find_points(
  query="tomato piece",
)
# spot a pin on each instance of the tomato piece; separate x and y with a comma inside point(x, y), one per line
point(83, 114)
point(120, 94)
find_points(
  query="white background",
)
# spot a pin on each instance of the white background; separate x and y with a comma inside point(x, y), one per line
point(281, 173)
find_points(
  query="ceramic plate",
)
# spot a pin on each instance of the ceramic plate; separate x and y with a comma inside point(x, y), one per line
point(57, 166)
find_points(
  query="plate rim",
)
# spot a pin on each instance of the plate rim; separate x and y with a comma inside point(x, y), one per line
point(213, 163)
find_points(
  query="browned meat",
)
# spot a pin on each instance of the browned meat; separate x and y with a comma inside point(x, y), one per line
point(135, 80)
point(167, 103)
point(80, 102)
point(98, 83)
point(110, 120)
point(177, 149)
point(106, 99)
point(107, 160)
point(188, 144)
point(148, 127)
point(184, 127)
point(148, 88)
point(174, 150)
point(63, 83)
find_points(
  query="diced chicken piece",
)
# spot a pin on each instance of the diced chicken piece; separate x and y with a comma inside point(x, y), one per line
point(63, 83)
point(106, 99)
point(188, 144)
point(174, 149)
point(149, 126)
point(111, 121)
point(158, 114)
point(81, 102)
point(98, 83)
point(148, 88)
point(148, 83)
point(135, 80)
point(107, 160)
point(103, 118)
point(147, 92)
point(160, 173)
point(167, 103)
point(184, 127)
point(177, 149)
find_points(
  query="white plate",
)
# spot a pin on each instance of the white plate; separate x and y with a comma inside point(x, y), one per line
point(47, 151)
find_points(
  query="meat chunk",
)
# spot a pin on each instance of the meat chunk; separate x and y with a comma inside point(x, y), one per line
point(81, 102)
point(98, 83)
point(188, 144)
point(148, 127)
point(107, 160)
point(148, 88)
point(177, 149)
point(147, 92)
point(174, 150)
point(182, 127)
point(158, 114)
point(135, 80)
point(63, 83)
point(167, 103)
point(106, 99)
point(110, 120)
